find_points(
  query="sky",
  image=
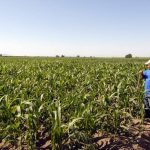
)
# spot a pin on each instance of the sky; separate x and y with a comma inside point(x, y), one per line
point(101, 28)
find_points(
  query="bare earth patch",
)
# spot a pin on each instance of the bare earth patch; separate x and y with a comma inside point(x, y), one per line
point(139, 139)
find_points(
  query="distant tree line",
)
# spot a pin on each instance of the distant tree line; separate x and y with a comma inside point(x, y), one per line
point(65, 56)
point(126, 56)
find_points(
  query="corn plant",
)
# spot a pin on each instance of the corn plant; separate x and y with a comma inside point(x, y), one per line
point(67, 100)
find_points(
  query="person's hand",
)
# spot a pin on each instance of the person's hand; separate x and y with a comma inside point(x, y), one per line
point(141, 72)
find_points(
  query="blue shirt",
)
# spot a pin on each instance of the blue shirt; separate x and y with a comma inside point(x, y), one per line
point(146, 76)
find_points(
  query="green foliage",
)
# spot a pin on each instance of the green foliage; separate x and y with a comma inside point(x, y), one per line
point(67, 100)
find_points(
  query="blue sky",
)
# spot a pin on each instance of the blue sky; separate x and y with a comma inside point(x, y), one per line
point(75, 27)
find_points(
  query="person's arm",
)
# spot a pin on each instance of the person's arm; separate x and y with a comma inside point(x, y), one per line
point(142, 74)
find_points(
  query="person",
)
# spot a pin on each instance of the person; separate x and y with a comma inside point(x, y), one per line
point(146, 76)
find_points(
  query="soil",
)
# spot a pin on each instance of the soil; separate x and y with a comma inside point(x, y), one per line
point(139, 139)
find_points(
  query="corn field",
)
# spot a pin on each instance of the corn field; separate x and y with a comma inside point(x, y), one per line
point(65, 101)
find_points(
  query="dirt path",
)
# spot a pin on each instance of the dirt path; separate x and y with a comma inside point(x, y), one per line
point(139, 140)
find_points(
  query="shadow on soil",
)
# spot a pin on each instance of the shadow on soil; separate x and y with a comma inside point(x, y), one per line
point(140, 141)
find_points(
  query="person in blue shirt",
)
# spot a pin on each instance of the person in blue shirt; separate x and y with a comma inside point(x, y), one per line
point(146, 76)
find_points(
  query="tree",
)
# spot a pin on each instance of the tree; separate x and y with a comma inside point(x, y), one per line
point(62, 56)
point(57, 55)
point(128, 56)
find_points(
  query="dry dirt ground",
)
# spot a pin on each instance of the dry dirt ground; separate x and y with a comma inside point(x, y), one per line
point(138, 140)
